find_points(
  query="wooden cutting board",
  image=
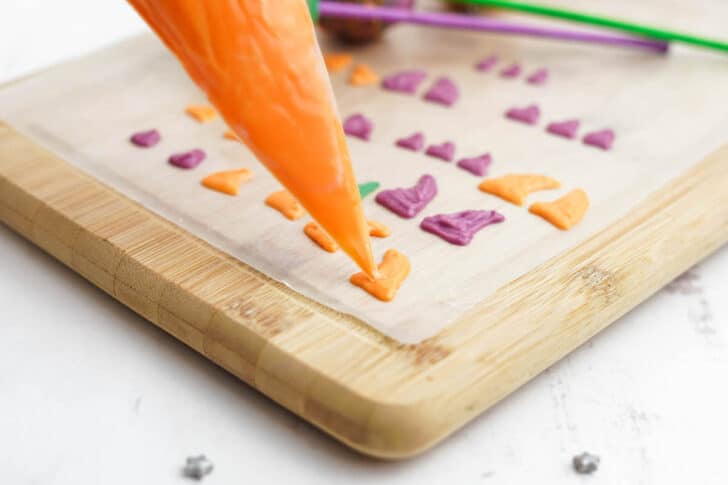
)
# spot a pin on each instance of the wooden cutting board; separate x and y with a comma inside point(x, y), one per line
point(374, 393)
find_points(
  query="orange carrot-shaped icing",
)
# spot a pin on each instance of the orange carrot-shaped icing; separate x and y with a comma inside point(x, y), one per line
point(393, 270)
point(564, 212)
point(320, 237)
point(227, 182)
point(286, 204)
point(515, 188)
point(337, 61)
point(362, 75)
point(201, 113)
point(377, 229)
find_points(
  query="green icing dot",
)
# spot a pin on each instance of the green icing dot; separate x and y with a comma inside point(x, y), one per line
point(367, 188)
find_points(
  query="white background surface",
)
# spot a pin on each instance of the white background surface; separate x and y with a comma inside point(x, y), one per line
point(91, 393)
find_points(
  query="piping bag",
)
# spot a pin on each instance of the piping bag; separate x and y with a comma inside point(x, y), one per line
point(260, 65)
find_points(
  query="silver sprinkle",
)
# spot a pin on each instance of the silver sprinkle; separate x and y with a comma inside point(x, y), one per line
point(197, 467)
point(585, 463)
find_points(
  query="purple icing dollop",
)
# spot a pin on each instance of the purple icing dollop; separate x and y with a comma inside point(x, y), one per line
point(486, 64)
point(443, 91)
point(601, 139)
point(187, 160)
point(359, 126)
point(444, 151)
point(414, 142)
point(511, 71)
point(404, 81)
point(476, 165)
point(538, 77)
point(567, 129)
point(146, 139)
point(529, 114)
point(460, 227)
point(408, 203)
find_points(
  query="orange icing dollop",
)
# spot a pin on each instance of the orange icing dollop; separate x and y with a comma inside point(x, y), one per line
point(393, 270)
point(337, 61)
point(515, 188)
point(227, 182)
point(363, 75)
point(201, 113)
point(230, 135)
point(377, 229)
point(286, 204)
point(320, 237)
point(564, 212)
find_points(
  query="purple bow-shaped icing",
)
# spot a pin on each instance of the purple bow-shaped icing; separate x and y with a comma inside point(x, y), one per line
point(511, 71)
point(443, 91)
point(486, 64)
point(444, 151)
point(408, 203)
point(460, 227)
point(404, 81)
point(146, 139)
point(567, 128)
point(476, 165)
point(414, 142)
point(538, 77)
point(529, 114)
point(187, 160)
point(601, 139)
point(359, 126)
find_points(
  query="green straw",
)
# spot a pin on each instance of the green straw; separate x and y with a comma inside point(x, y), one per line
point(644, 30)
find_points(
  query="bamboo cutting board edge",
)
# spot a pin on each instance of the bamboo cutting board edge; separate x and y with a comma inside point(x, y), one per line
point(382, 398)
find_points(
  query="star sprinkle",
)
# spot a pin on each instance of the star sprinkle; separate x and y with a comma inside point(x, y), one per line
point(197, 467)
point(586, 463)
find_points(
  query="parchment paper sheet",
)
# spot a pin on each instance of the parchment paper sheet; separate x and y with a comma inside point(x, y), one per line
point(668, 113)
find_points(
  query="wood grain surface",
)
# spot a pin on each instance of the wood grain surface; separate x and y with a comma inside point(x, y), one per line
point(382, 398)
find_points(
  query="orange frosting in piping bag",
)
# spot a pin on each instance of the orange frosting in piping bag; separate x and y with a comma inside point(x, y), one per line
point(260, 65)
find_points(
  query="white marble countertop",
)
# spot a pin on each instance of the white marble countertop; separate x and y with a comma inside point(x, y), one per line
point(91, 393)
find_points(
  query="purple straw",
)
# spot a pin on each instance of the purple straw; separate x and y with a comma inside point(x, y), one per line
point(466, 22)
